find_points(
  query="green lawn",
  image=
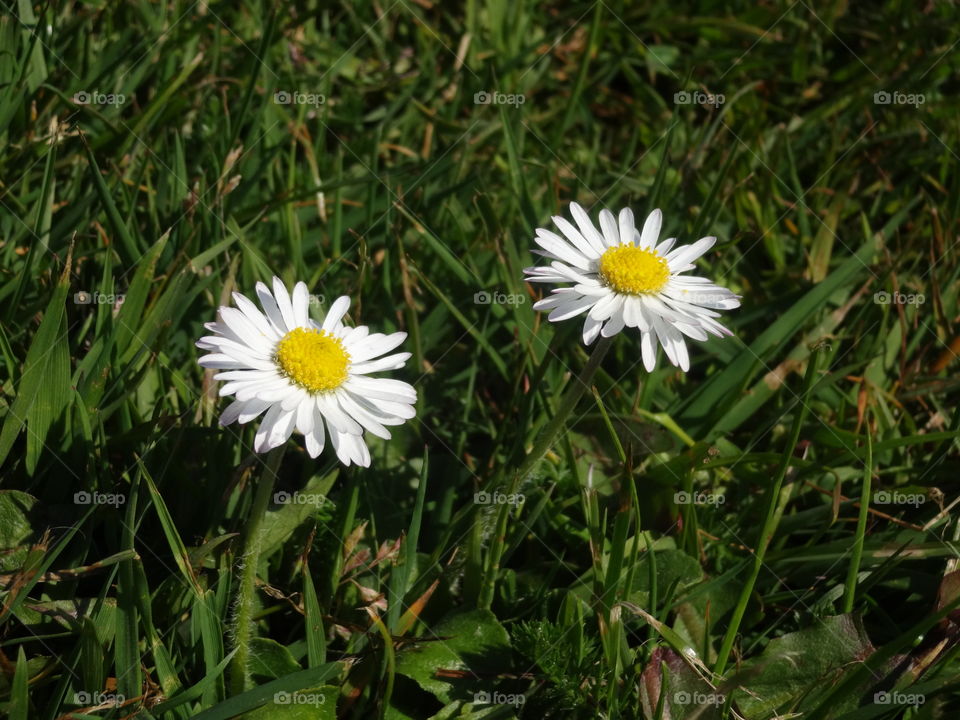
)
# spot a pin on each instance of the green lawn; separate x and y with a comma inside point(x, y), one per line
point(770, 534)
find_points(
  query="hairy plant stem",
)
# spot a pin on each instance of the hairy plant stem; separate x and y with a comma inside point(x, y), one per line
point(246, 594)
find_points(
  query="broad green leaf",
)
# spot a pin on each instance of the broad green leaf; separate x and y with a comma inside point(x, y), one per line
point(270, 660)
point(802, 664)
point(15, 528)
point(472, 642)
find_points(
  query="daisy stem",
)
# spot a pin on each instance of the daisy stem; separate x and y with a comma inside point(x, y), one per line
point(776, 503)
point(569, 402)
point(246, 593)
point(548, 436)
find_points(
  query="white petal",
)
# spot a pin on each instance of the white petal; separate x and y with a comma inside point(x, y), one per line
point(334, 414)
point(247, 331)
point(305, 416)
point(301, 304)
point(336, 313)
point(664, 247)
point(631, 311)
point(390, 362)
point(627, 228)
point(614, 324)
point(248, 308)
point(608, 223)
point(385, 412)
point(232, 412)
point(591, 329)
point(657, 307)
point(643, 317)
point(365, 348)
point(651, 229)
point(246, 389)
point(298, 396)
point(381, 389)
point(282, 297)
point(282, 428)
point(218, 361)
point(351, 335)
point(692, 331)
point(597, 290)
point(357, 449)
point(238, 349)
point(607, 306)
point(271, 310)
point(679, 348)
point(251, 390)
point(362, 416)
point(363, 460)
point(251, 410)
point(559, 249)
point(261, 442)
point(571, 275)
point(223, 361)
point(350, 449)
point(543, 274)
point(648, 349)
point(571, 308)
point(247, 375)
point(316, 439)
point(687, 254)
point(587, 229)
point(278, 395)
point(550, 302)
point(662, 335)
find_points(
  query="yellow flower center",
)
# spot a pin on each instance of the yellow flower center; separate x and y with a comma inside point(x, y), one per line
point(633, 271)
point(313, 359)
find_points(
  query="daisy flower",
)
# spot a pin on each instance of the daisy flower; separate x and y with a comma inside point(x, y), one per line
point(311, 377)
point(622, 278)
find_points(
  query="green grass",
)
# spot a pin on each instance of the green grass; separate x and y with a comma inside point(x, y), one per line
point(818, 572)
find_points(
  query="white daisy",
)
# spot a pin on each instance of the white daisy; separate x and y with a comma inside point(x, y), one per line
point(623, 278)
point(306, 376)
